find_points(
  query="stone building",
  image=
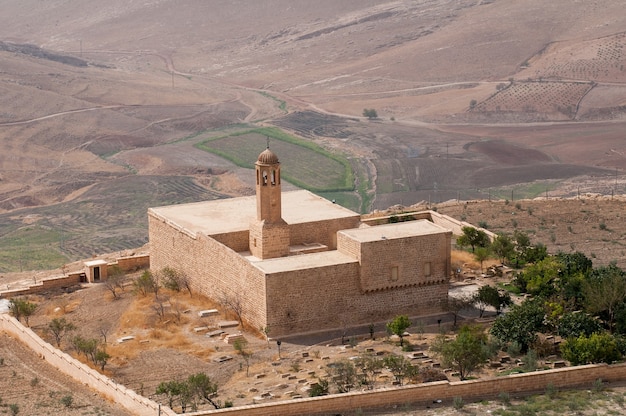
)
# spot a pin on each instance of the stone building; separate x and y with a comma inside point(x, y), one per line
point(297, 263)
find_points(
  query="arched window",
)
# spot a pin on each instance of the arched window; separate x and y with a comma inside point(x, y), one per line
point(264, 178)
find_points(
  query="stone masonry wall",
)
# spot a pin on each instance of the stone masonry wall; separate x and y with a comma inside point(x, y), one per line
point(214, 270)
point(123, 396)
point(237, 241)
point(323, 232)
point(269, 241)
point(330, 297)
point(409, 257)
point(425, 394)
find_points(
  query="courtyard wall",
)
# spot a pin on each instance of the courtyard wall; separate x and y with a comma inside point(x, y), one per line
point(65, 363)
point(424, 394)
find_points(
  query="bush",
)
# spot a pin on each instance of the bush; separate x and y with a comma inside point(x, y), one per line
point(598, 348)
point(370, 113)
point(575, 324)
point(320, 388)
point(458, 403)
point(67, 400)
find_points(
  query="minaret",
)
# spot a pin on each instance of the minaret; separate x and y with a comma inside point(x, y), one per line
point(269, 233)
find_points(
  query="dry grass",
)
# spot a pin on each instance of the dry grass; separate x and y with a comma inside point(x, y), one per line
point(154, 332)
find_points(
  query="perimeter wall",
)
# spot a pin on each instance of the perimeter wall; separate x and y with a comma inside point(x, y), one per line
point(65, 363)
point(515, 385)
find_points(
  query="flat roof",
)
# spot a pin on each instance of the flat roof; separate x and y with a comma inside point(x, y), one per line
point(235, 214)
point(301, 262)
point(394, 231)
point(93, 263)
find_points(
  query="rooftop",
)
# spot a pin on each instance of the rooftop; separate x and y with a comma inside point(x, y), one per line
point(235, 214)
point(394, 231)
point(301, 262)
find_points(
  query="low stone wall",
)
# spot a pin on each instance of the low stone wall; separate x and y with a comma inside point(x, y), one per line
point(56, 282)
point(445, 221)
point(127, 264)
point(134, 263)
point(518, 384)
point(127, 398)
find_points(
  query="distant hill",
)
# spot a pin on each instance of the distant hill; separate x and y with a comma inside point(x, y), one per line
point(105, 100)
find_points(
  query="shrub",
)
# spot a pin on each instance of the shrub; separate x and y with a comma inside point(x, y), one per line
point(67, 400)
point(598, 348)
point(320, 388)
point(458, 403)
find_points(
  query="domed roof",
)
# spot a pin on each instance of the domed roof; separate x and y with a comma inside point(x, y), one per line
point(267, 157)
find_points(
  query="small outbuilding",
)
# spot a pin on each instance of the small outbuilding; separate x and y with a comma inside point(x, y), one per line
point(96, 270)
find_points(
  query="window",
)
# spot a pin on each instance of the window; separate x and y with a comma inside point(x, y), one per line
point(394, 273)
point(427, 271)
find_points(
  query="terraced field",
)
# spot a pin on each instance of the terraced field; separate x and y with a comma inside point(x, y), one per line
point(107, 218)
point(602, 59)
point(546, 100)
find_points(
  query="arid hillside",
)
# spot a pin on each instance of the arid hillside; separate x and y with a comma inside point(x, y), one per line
point(102, 105)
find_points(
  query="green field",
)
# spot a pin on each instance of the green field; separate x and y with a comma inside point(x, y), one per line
point(109, 217)
point(303, 163)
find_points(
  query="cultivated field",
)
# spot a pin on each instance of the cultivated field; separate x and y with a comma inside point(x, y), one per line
point(101, 117)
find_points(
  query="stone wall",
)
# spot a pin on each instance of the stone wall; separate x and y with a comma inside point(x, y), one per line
point(425, 394)
point(51, 283)
point(215, 270)
point(127, 398)
point(421, 259)
point(133, 263)
point(445, 221)
point(302, 300)
point(323, 232)
point(127, 264)
point(330, 297)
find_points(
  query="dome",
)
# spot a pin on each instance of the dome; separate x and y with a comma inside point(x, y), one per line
point(267, 157)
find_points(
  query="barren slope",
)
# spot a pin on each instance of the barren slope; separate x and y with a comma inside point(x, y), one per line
point(94, 95)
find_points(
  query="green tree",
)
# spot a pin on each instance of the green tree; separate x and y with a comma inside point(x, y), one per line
point(21, 308)
point(367, 366)
point(101, 358)
point(115, 280)
point(481, 254)
point(490, 296)
point(503, 247)
point(146, 283)
point(398, 326)
point(520, 324)
point(320, 388)
point(370, 113)
point(173, 279)
point(539, 278)
point(466, 353)
point(597, 348)
point(59, 327)
point(343, 375)
point(241, 347)
point(604, 292)
point(202, 388)
point(473, 237)
point(575, 324)
point(171, 390)
point(574, 264)
point(400, 367)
